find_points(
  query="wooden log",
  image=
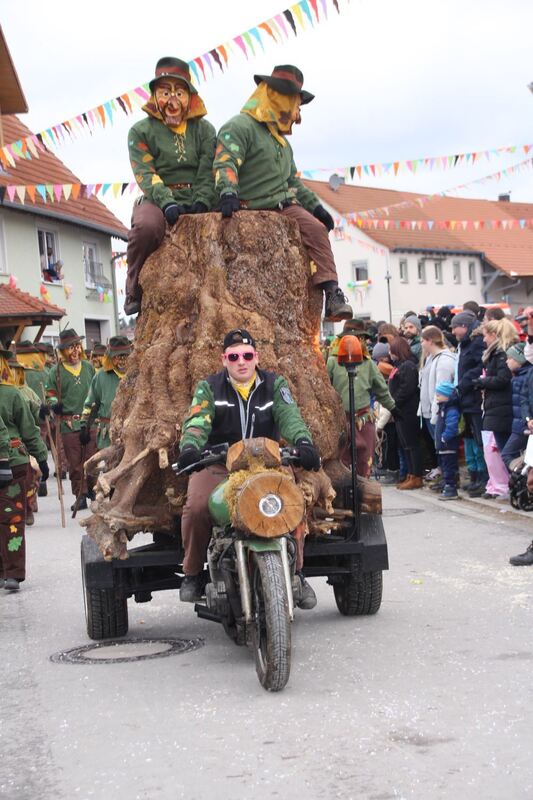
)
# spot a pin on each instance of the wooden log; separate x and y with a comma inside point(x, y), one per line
point(369, 495)
point(268, 504)
point(241, 454)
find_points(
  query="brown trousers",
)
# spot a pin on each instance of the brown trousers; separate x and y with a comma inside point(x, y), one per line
point(76, 458)
point(13, 525)
point(365, 447)
point(316, 240)
point(148, 229)
point(144, 237)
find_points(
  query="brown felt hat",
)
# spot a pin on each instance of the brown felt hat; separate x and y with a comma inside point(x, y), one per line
point(170, 67)
point(118, 345)
point(27, 347)
point(286, 79)
point(68, 337)
point(98, 349)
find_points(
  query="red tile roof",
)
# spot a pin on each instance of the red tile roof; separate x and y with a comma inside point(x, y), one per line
point(49, 169)
point(15, 303)
point(510, 251)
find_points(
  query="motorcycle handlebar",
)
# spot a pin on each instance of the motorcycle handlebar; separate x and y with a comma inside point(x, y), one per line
point(289, 455)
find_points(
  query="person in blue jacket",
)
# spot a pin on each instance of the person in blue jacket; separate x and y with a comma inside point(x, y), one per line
point(447, 437)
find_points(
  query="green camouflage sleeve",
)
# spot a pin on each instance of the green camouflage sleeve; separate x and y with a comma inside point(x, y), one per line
point(199, 421)
point(287, 415)
point(142, 165)
point(230, 153)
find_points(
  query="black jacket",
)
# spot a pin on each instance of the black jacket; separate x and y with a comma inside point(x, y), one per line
point(498, 394)
point(403, 386)
point(469, 368)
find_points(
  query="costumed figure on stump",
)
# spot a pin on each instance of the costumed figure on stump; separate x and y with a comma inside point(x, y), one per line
point(67, 387)
point(103, 389)
point(19, 438)
point(239, 402)
point(254, 168)
point(171, 154)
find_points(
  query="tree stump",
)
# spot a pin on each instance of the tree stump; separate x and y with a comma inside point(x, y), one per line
point(208, 276)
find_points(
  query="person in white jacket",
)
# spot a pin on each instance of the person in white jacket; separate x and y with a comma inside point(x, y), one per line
point(438, 366)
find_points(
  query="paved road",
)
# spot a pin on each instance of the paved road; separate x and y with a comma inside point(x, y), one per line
point(429, 699)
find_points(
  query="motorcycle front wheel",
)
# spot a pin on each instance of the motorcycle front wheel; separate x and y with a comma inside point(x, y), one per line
point(271, 640)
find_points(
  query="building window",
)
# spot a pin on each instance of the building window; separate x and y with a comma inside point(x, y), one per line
point(3, 257)
point(51, 264)
point(457, 272)
point(360, 270)
point(438, 271)
point(404, 272)
point(94, 270)
point(421, 271)
point(472, 272)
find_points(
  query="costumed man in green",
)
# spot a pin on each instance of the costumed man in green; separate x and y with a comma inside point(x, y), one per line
point(33, 478)
point(171, 154)
point(369, 384)
point(67, 387)
point(103, 389)
point(23, 440)
point(33, 359)
point(254, 168)
point(239, 402)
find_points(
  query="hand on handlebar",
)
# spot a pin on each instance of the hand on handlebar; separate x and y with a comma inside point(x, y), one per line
point(189, 455)
point(309, 455)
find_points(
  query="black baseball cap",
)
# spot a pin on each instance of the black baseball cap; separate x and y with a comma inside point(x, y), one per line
point(236, 337)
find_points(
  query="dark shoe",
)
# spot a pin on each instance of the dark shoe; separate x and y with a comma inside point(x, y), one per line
point(488, 496)
point(337, 307)
point(472, 482)
point(11, 585)
point(437, 487)
point(132, 307)
point(82, 505)
point(191, 589)
point(524, 559)
point(42, 491)
point(2, 583)
point(30, 518)
point(307, 596)
point(477, 491)
point(449, 493)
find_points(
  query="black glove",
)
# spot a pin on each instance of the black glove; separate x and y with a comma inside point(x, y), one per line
point(172, 211)
point(85, 434)
point(309, 457)
point(228, 204)
point(396, 414)
point(188, 456)
point(198, 208)
point(57, 409)
point(45, 472)
point(6, 475)
point(324, 217)
point(44, 411)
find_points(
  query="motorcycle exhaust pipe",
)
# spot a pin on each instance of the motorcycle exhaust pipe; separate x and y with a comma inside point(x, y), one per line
point(244, 581)
point(287, 574)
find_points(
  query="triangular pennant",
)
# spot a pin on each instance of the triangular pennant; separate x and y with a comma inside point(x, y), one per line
point(115, 188)
point(31, 193)
point(109, 111)
point(76, 189)
point(223, 52)
point(281, 22)
point(200, 63)
point(42, 191)
point(290, 20)
point(255, 33)
point(248, 40)
point(216, 58)
point(304, 5)
point(50, 191)
point(314, 6)
point(11, 192)
point(297, 11)
point(239, 40)
point(207, 58)
point(58, 191)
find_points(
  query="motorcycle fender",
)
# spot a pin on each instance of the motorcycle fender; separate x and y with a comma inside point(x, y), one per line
point(262, 545)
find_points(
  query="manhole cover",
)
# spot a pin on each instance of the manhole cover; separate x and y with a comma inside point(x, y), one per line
point(401, 512)
point(121, 650)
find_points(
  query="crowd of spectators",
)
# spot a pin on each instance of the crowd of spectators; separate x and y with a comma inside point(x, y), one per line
point(440, 389)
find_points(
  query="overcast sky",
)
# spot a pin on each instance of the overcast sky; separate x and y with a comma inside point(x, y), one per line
point(393, 80)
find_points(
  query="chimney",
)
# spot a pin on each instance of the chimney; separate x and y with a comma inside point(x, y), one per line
point(504, 198)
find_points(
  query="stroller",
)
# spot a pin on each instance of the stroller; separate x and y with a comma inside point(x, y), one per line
point(520, 497)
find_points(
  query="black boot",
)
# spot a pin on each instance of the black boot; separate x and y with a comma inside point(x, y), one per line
point(478, 490)
point(42, 491)
point(524, 559)
point(473, 481)
point(82, 505)
point(307, 596)
point(337, 307)
point(132, 307)
point(191, 589)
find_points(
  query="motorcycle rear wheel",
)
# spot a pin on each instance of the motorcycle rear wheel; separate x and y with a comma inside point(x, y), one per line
point(271, 640)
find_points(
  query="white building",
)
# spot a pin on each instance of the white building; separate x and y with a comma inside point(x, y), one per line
point(408, 269)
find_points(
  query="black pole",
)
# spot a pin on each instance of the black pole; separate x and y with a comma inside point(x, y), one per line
point(352, 369)
point(388, 279)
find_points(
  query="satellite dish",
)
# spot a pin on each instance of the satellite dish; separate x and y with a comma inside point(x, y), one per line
point(335, 181)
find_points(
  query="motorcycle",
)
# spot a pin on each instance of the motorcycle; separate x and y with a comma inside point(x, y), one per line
point(253, 588)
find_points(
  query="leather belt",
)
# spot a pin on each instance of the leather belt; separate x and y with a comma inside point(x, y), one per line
point(179, 185)
point(104, 419)
point(70, 416)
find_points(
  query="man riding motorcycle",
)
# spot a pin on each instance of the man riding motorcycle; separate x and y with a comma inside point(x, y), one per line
point(239, 402)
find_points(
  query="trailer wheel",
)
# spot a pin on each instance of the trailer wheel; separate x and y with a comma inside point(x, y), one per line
point(106, 612)
point(359, 595)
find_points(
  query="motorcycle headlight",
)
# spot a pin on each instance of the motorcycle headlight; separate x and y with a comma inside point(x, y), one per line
point(270, 505)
